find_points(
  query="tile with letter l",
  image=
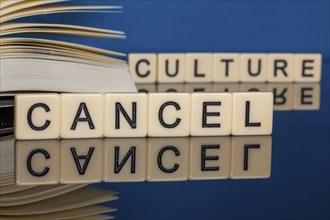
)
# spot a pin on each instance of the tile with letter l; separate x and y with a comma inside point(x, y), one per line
point(254, 67)
point(81, 115)
point(226, 67)
point(251, 157)
point(81, 160)
point(168, 114)
point(308, 67)
point(252, 113)
point(125, 114)
point(199, 67)
point(37, 162)
point(306, 96)
point(210, 158)
point(283, 95)
point(125, 159)
point(37, 116)
point(171, 67)
point(211, 114)
point(143, 67)
point(168, 159)
point(281, 67)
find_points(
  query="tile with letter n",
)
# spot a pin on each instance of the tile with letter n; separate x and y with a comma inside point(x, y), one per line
point(143, 67)
point(308, 67)
point(199, 67)
point(254, 67)
point(81, 160)
point(171, 67)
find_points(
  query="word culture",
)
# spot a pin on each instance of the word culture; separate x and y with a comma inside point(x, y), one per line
point(67, 115)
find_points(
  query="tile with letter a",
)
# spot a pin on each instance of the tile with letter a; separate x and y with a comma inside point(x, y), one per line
point(199, 67)
point(252, 113)
point(211, 114)
point(283, 95)
point(125, 114)
point(168, 159)
point(254, 67)
point(171, 67)
point(81, 161)
point(168, 114)
point(251, 157)
point(143, 67)
point(81, 115)
point(37, 162)
point(281, 67)
point(37, 116)
point(125, 159)
point(209, 158)
point(226, 67)
point(308, 67)
point(307, 96)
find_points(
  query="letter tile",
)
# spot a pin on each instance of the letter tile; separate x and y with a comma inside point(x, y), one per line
point(252, 113)
point(308, 67)
point(171, 67)
point(125, 114)
point(210, 158)
point(251, 157)
point(168, 159)
point(253, 87)
point(168, 115)
point(283, 95)
point(143, 67)
point(81, 115)
point(37, 162)
point(211, 114)
point(81, 161)
point(198, 87)
point(306, 96)
point(171, 87)
point(226, 87)
point(125, 160)
point(199, 67)
point(226, 67)
point(254, 67)
point(281, 67)
point(146, 87)
point(37, 116)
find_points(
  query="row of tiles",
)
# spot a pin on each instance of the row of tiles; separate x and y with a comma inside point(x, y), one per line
point(51, 115)
point(141, 159)
point(225, 67)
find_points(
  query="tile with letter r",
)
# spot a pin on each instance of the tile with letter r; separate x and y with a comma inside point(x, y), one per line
point(199, 67)
point(226, 67)
point(281, 67)
point(307, 96)
point(171, 67)
point(143, 67)
point(308, 67)
point(254, 67)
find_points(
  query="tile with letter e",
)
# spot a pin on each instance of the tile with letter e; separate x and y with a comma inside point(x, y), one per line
point(125, 159)
point(308, 67)
point(168, 114)
point(254, 67)
point(210, 158)
point(168, 159)
point(81, 160)
point(143, 67)
point(199, 67)
point(283, 95)
point(37, 162)
point(307, 96)
point(281, 67)
point(211, 114)
point(37, 116)
point(171, 67)
point(252, 113)
point(125, 114)
point(81, 115)
point(251, 157)
point(226, 67)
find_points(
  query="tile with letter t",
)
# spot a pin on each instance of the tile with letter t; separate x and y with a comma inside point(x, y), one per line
point(251, 157)
point(168, 159)
point(168, 114)
point(252, 113)
point(281, 67)
point(283, 95)
point(37, 162)
point(125, 114)
point(37, 116)
point(209, 158)
point(211, 114)
point(171, 67)
point(125, 159)
point(81, 115)
point(226, 67)
point(308, 67)
point(199, 67)
point(81, 160)
point(307, 96)
point(143, 67)
point(254, 67)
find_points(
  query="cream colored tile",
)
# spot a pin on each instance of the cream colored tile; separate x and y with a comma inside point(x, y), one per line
point(198, 87)
point(281, 67)
point(81, 115)
point(253, 87)
point(37, 162)
point(308, 67)
point(171, 87)
point(254, 67)
point(210, 158)
point(251, 157)
point(171, 67)
point(168, 159)
point(226, 67)
point(252, 113)
point(226, 87)
point(37, 116)
point(125, 160)
point(307, 96)
point(81, 160)
point(168, 115)
point(125, 114)
point(199, 67)
point(143, 67)
point(146, 87)
point(211, 114)
point(283, 95)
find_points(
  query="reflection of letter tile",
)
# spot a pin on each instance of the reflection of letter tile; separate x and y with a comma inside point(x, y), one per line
point(254, 67)
point(226, 67)
point(198, 87)
point(307, 96)
point(171, 67)
point(226, 87)
point(171, 87)
point(143, 67)
point(253, 87)
point(283, 95)
point(199, 67)
point(146, 87)
point(308, 67)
